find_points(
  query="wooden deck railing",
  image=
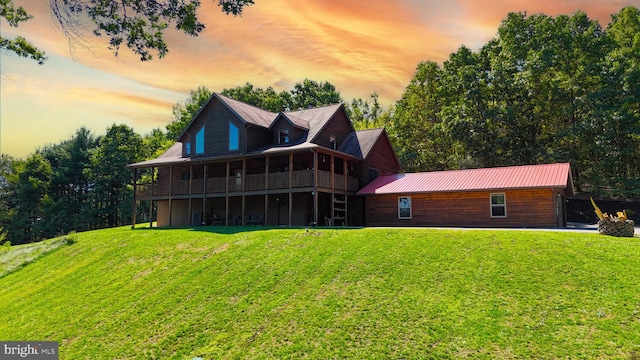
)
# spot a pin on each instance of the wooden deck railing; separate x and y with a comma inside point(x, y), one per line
point(281, 180)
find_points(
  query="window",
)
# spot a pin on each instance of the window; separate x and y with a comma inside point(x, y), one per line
point(283, 137)
point(404, 207)
point(187, 148)
point(199, 145)
point(332, 143)
point(498, 206)
point(234, 137)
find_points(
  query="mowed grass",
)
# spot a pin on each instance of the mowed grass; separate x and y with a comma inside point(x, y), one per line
point(225, 293)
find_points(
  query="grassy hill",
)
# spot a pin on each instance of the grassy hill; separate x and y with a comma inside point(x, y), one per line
point(329, 293)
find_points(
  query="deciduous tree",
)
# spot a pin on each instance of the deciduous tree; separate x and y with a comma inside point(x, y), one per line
point(18, 45)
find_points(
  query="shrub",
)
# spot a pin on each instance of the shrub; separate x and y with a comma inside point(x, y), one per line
point(71, 237)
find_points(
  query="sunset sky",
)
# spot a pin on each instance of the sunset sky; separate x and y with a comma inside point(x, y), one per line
point(360, 46)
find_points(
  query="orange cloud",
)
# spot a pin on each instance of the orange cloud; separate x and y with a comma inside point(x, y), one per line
point(360, 46)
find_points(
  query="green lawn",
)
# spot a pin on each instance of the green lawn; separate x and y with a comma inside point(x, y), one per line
point(225, 293)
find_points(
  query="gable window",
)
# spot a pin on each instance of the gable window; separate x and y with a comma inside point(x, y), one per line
point(332, 143)
point(498, 206)
point(199, 145)
point(404, 207)
point(234, 137)
point(187, 148)
point(283, 137)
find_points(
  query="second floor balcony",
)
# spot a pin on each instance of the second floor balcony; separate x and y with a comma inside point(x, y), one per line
point(248, 184)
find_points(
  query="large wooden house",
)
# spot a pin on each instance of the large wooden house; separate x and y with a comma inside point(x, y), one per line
point(236, 164)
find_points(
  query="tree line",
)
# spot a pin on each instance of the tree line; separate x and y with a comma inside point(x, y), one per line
point(83, 183)
point(543, 90)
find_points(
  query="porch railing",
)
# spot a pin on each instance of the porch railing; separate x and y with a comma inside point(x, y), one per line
point(256, 182)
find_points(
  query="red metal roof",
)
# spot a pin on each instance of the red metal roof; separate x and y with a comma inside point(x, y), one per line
point(512, 177)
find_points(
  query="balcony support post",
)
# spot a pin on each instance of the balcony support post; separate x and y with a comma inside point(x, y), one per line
point(135, 189)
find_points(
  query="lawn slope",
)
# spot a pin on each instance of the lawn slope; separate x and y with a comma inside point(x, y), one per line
point(361, 293)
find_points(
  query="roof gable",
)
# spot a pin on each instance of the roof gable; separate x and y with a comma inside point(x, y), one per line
point(317, 118)
point(513, 177)
point(360, 143)
point(293, 120)
point(248, 113)
point(243, 111)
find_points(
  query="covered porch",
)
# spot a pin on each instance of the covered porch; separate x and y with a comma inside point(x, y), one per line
point(305, 188)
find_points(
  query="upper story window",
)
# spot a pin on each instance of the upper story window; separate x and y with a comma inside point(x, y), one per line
point(283, 137)
point(187, 149)
point(199, 145)
point(498, 206)
point(333, 143)
point(234, 137)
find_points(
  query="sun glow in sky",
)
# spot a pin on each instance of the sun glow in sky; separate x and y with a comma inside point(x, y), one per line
point(360, 46)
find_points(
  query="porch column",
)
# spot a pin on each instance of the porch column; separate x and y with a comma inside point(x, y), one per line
point(346, 189)
point(153, 185)
point(150, 213)
point(266, 189)
point(170, 196)
point(290, 188)
point(315, 187)
point(135, 183)
point(244, 178)
point(190, 183)
point(204, 196)
point(226, 196)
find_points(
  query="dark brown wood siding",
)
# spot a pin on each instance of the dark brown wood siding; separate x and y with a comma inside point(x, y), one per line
point(215, 117)
point(339, 127)
point(382, 158)
point(525, 208)
point(295, 133)
point(258, 138)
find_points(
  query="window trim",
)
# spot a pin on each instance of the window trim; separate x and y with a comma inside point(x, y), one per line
point(503, 205)
point(199, 141)
point(400, 217)
point(286, 137)
point(232, 126)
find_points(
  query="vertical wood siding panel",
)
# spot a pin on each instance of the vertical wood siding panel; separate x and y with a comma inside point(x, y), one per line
point(339, 127)
point(525, 208)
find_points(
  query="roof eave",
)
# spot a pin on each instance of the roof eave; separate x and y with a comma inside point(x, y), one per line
point(416, 192)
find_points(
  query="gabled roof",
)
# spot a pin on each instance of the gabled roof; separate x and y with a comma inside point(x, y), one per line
point(293, 120)
point(501, 178)
point(245, 112)
point(360, 143)
point(316, 118)
point(311, 120)
point(248, 113)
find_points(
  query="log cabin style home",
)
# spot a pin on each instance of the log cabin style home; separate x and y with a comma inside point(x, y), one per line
point(516, 196)
point(236, 164)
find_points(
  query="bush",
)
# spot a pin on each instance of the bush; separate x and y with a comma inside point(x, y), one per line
point(71, 237)
point(6, 246)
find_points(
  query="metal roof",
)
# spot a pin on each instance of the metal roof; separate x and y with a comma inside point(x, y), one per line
point(500, 178)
